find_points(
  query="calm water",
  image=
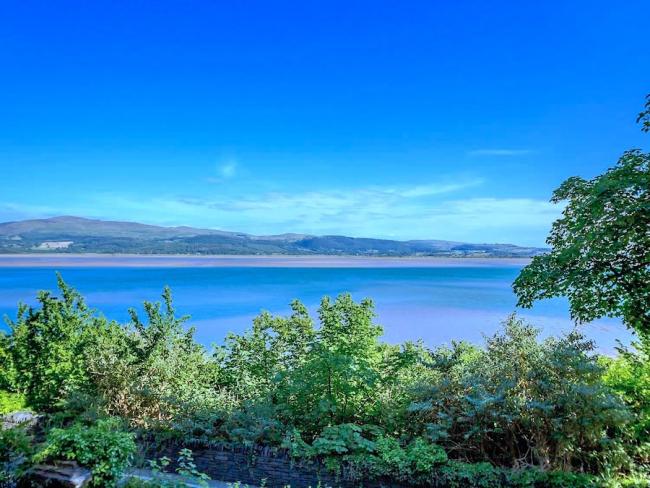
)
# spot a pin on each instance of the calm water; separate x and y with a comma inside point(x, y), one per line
point(436, 304)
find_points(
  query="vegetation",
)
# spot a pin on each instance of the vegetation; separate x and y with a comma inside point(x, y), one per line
point(517, 409)
point(15, 450)
point(11, 402)
point(103, 447)
point(600, 256)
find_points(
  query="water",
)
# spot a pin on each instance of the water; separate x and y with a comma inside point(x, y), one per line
point(435, 304)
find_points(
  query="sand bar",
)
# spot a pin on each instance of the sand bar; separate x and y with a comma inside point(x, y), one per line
point(52, 260)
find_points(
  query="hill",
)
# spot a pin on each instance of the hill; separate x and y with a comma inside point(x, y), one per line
point(80, 235)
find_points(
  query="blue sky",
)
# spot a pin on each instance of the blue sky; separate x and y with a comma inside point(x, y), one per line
point(447, 120)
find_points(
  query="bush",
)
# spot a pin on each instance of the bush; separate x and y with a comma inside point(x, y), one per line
point(457, 474)
point(11, 402)
point(15, 448)
point(45, 347)
point(525, 402)
point(411, 463)
point(629, 376)
point(102, 447)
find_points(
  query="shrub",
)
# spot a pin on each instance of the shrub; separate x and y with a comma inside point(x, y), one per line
point(629, 376)
point(15, 448)
point(412, 463)
point(11, 402)
point(531, 478)
point(457, 474)
point(151, 371)
point(525, 402)
point(102, 447)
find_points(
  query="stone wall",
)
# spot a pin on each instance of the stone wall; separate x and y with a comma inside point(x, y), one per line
point(275, 466)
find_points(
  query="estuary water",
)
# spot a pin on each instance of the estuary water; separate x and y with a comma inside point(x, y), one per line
point(433, 301)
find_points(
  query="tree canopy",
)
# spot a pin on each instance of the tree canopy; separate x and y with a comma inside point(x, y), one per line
point(600, 247)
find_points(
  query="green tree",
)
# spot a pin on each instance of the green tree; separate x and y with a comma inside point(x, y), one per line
point(258, 362)
point(46, 344)
point(600, 248)
point(339, 381)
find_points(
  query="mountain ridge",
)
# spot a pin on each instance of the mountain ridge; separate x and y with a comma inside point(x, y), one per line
point(72, 234)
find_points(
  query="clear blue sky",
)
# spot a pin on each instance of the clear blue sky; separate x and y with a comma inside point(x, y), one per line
point(448, 120)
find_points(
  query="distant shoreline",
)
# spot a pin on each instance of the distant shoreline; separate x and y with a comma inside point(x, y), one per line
point(52, 260)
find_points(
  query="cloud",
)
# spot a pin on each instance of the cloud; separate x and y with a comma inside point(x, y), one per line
point(438, 189)
point(225, 171)
point(434, 210)
point(499, 152)
point(228, 170)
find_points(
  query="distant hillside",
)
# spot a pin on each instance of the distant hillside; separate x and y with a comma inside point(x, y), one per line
point(80, 235)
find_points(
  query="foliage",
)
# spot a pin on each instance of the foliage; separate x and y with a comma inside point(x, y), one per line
point(153, 372)
point(518, 411)
point(644, 116)
point(103, 447)
point(521, 402)
point(310, 378)
point(45, 347)
point(629, 376)
point(338, 381)
point(600, 256)
point(11, 402)
point(8, 369)
point(258, 362)
point(332, 441)
point(15, 449)
point(411, 463)
point(186, 469)
point(461, 474)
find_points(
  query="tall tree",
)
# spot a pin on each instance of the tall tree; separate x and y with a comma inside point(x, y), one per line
point(600, 247)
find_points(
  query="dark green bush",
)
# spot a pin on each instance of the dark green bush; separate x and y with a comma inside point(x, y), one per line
point(521, 401)
point(411, 463)
point(15, 449)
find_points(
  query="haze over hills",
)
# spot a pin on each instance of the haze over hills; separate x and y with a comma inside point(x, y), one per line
point(80, 235)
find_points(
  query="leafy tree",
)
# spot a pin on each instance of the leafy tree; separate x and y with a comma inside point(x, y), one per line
point(600, 256)
point(339, 380)
point(46, 347)
point(258, 362)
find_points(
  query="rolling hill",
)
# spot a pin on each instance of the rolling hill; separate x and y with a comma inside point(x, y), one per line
point(80, 235)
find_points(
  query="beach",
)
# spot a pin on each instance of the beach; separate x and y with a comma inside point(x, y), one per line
point(51, 260)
